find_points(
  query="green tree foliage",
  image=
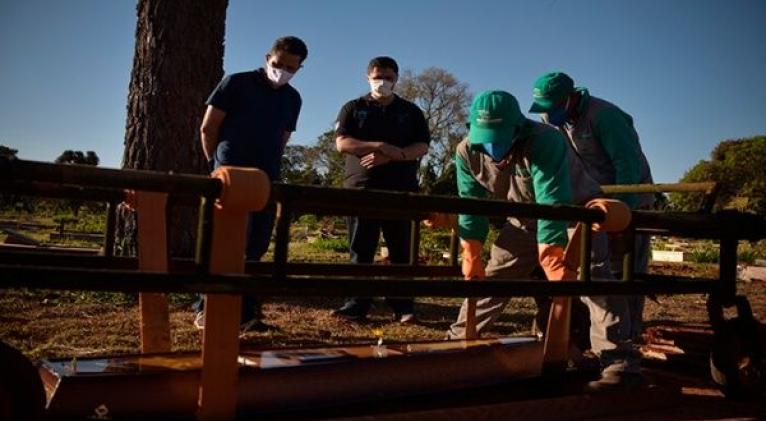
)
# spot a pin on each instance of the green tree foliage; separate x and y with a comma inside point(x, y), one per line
point(444, 101)
point(77, 157)
point(330, 163)
point(7, 152)
point(8, 199)
point(317, 164)
point(71, 157)
point(739, 166)
point(297, 165)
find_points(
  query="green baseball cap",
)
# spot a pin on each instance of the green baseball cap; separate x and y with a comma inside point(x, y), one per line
point(549, 89)
point(493, 115)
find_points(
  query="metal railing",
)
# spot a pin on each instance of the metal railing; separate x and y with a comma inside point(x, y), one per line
point(19, 268)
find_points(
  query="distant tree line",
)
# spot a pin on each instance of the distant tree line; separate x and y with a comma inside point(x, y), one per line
point(28, 203)
point(739, 166)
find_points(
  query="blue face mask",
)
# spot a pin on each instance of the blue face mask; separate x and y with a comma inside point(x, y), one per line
point(557, 116)
point(497, 151)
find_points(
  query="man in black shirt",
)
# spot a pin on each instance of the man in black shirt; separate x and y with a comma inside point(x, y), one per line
point(383, 137)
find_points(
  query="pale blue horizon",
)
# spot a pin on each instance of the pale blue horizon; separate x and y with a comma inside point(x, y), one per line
point(689, 72)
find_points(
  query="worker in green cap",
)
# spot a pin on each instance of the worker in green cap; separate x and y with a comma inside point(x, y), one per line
point(507, 156)
point(604, 138)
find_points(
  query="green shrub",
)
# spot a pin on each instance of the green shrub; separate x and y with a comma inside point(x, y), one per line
point(330, 244)
point(705, 254)
point(748, 252)
point(309, 221)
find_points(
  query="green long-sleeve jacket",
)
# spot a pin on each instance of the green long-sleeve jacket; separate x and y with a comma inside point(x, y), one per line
point(537, 171)
point(606, 140)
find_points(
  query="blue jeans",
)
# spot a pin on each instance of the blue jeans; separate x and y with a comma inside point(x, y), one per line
point(363, 236)
point(259, 230)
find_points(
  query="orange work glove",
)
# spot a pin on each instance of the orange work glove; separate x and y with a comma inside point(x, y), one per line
point(441, 220)
point(473, 266)
point(552, 260)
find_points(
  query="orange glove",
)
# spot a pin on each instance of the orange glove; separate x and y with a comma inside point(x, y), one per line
point(441, 220)
point(473, 266)
point(552, 260)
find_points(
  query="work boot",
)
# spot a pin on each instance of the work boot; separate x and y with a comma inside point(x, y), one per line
point(616, 381)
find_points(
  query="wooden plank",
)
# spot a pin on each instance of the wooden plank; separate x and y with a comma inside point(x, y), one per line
point(244, 190)
point(152, 257)
point(556, 349)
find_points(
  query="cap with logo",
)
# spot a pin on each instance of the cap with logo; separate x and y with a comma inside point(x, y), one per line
point(549, 90)
point(493, 117)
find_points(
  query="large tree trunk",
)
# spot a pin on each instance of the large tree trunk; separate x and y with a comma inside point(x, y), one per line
point(178, 61)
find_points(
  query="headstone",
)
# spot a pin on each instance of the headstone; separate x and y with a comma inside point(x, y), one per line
point(667, 256)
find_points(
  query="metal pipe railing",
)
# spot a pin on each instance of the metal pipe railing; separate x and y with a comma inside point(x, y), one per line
point(703, 187)
point(108, 178)
point(403, 205)
point(42, 179)
point(59, 259)
point(263, 285)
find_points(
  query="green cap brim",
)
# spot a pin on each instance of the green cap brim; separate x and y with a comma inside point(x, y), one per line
point(541, 106)
point(479, 135)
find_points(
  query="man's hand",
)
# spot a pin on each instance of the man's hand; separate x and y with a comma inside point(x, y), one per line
point(393, 152)
point(374, 159)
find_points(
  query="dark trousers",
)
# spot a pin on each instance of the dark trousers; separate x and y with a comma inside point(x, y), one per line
point(363, 236)
point(259, 230)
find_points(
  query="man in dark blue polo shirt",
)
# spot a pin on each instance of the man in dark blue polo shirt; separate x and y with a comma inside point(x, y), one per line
point(383, 137)
point(247, 123)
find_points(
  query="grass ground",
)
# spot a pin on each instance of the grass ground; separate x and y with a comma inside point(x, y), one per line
point(45, 323)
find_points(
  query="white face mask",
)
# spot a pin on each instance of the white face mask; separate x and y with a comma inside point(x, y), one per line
point(278, 76)
point(381, 88)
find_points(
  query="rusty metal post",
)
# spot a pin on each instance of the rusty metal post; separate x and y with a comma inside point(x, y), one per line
point(111, 221)
point(727, 271)
point(453, 246)
point(586, 242)
point(415, 242)
point(204, 234)
point(282, 241)
point(629, 253)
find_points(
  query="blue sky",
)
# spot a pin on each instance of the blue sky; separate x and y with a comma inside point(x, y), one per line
point(691, 73)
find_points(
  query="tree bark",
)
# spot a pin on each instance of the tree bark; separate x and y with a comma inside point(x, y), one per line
point(178, 61)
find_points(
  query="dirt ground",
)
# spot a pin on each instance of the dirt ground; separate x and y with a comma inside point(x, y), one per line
point(45, 323)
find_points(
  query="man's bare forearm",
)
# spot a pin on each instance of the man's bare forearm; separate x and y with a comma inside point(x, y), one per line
point(209, 139)
point(210, 129)
point(352, 146)
point(414, 151)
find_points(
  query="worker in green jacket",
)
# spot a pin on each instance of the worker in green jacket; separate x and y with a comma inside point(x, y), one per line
point(605, 139)
point(507, 156)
